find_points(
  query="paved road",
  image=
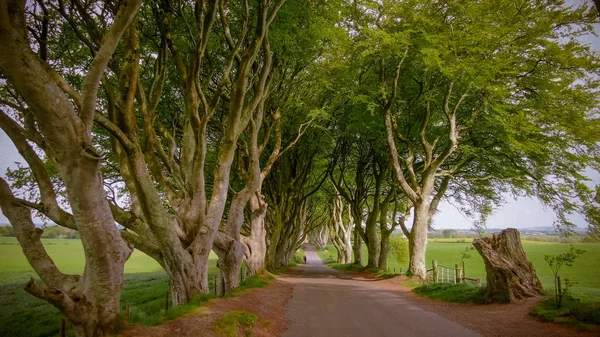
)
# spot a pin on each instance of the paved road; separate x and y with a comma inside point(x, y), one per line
point(329, 303)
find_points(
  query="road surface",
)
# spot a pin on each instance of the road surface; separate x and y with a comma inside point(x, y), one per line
point(330, 303)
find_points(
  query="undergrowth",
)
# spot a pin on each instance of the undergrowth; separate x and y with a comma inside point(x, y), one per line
point(232, 322)
point(460, 293)
point(378, 272)
point(584, 316)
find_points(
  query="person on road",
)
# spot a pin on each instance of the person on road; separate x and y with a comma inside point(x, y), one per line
point(304, 259)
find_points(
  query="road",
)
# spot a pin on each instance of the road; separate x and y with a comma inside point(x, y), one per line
point(330, 303)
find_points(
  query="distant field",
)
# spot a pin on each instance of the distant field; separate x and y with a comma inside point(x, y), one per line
point(585, 271)
point(145, 288)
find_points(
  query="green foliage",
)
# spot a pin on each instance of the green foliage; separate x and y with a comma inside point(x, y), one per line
point(231, 322)
point(449, 233)
point(527, 121)
point(7, 231)
point(256, 281)
point(590, 239)
point(584, 316)
point(585, 271)
point(59, 232)
point(461, 293)
point(399, 249)
point(466, 254)
point(556, 262)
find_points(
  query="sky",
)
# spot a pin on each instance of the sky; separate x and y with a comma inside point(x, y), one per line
point(521, 212)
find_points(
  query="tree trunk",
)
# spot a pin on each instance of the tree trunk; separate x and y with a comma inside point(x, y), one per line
point(510, 275)
point(417, 242)
point(357, 247)
point(256, 243)
point(272, 262)
point(373, 246)
point(385, 248)
point(186, 280)
point(230, 264)
point(89, 302)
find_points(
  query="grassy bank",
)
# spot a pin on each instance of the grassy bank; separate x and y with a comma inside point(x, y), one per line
point(585, 271)
point(145, 287)
point(584, 316)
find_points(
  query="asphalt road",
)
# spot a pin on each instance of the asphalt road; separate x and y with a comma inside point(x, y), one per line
point(329, 303)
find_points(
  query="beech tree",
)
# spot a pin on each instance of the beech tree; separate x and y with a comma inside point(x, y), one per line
point(171, 112)
point(296, 206)
point(279, 122)
point(477, 102)
point(340, 227)
point(58, 119)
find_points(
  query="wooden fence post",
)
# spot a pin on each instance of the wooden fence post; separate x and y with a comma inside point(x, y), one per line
point(63, 327)
point(435, 271)
point(478, 282)
point(463, 271)
point(457, 272)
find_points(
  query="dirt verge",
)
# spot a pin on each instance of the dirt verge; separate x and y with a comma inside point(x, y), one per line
point(267, 303)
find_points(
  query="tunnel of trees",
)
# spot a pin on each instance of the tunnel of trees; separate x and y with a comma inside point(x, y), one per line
point(178, 128)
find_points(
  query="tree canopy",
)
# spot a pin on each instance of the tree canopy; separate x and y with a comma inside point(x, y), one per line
point(181, 127)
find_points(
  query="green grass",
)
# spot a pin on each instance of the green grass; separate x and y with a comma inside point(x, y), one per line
point(461, 293)
point(382, 273)
point(584, 316)
point(585, 271)
point(145, 287)
point(255, 281)
point(231, 322)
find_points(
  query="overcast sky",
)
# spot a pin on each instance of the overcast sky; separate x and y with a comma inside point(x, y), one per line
point(519, 213)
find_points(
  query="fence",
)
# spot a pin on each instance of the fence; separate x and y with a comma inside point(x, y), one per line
point(444, 274)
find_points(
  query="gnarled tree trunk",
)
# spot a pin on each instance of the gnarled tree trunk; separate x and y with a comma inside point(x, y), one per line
point(510, 275)
point(256, 242)
point(340, 232)
point(357, 246)
point(89, 302)
point(417, 241)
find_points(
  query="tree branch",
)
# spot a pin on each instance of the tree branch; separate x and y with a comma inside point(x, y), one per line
point(91, 83)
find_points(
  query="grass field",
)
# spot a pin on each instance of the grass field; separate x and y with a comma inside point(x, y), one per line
point(145, 287)
point(585, 271)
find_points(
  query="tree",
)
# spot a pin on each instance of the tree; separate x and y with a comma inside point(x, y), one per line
point(59, 121)
point(294, 51)
point(340, 229)
point(557, 261)
point(319, 237)
point(7, 231)
point(296, 206)
point(171, 112)
point(449, 233)
point(470, 108)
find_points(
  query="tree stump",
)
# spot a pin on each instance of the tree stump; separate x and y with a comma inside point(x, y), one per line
point(510, 275)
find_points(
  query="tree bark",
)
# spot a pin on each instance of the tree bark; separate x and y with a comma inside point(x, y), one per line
point(357, 246)
point(91, 302)
point(417, 241)
point(256, 243)
point(385, 248)
point(373, 245)
point(510, 275)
